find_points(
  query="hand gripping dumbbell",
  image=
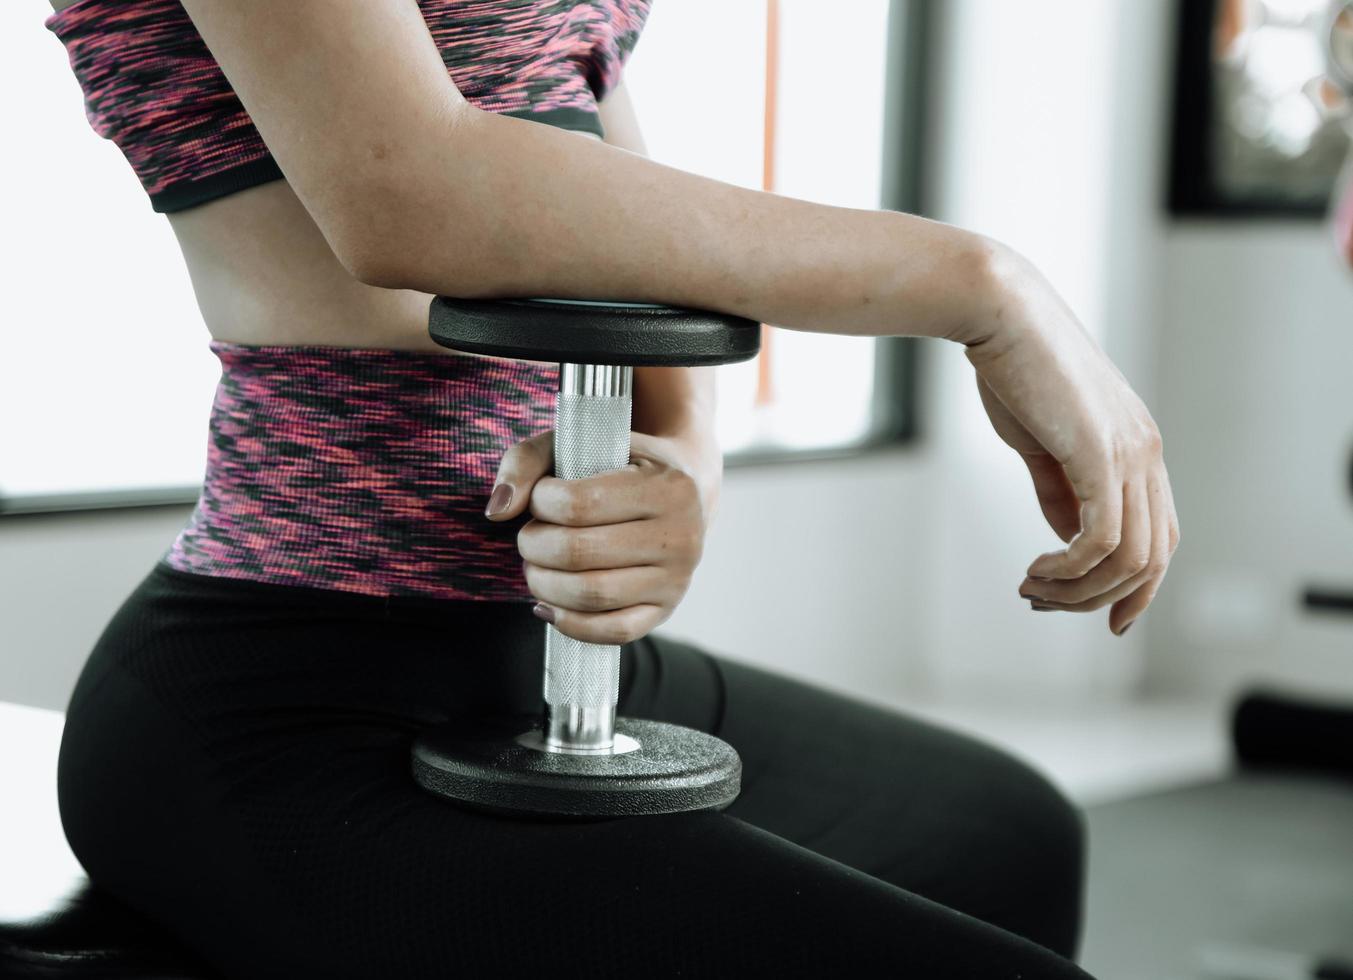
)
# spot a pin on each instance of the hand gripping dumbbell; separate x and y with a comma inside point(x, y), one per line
point(578, 759)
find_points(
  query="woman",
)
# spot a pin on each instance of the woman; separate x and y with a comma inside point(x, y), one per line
point(235, 761)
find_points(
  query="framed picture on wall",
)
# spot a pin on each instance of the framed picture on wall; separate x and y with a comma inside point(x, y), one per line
point(1249, 134)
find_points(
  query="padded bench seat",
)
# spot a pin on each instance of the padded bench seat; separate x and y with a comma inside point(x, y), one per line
point(53, 923)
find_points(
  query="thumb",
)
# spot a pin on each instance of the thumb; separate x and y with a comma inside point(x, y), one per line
point(520, 468)
point(1056, 495)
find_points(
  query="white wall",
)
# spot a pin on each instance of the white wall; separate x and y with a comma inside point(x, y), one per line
point(1255, 376)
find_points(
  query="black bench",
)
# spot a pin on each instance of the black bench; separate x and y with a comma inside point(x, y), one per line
point(53, 923)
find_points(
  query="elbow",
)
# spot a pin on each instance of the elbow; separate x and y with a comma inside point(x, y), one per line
point(373, 267)
point(368, 242)
point(407, 261)
point(409, 220)
point(394, 239)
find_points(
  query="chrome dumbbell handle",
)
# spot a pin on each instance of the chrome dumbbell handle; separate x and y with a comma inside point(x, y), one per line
point(582, 680)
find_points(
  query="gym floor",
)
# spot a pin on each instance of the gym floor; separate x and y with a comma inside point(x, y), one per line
point(1181, 877)
point(1190, 861)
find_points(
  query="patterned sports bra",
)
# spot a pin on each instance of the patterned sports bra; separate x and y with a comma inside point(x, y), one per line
point(152, 87)
point(355, 470)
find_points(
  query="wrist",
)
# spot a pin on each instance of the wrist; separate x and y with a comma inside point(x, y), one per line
point(997, 276)
point(702, 458)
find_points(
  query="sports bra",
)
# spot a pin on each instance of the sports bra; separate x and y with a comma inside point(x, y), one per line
point(152, 87)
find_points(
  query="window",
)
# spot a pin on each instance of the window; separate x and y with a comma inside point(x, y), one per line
point(775, 96)
point(105, 377)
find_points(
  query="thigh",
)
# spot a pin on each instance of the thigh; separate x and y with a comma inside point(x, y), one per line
point(298, 845)
point(920, 807)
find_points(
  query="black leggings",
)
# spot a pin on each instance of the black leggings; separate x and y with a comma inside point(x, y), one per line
point(235, 765)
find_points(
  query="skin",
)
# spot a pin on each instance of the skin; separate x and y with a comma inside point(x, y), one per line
point(398, 189)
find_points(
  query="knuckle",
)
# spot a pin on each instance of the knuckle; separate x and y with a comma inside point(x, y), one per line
point(576, 504)
point(684, 482)
point(1103, 542)
point(688, 545)
point(616, 630)
point(577, 551)
point(1136, 562)
point(595, 595)
point(518, 457)
point(681, 584)
point(1151, 442)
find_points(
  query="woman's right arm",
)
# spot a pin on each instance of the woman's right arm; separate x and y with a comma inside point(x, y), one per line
point(414, 188)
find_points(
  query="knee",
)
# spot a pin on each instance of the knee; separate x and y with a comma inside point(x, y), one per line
point(1035, 852)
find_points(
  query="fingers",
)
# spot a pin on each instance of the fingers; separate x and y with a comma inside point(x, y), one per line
point(611, 628)
point(1164, 540)
point(643, 488)
point(1056, 495)
point(602, 590)
point(1100, 535)
point(1130, 577)
point(610, 583)
point(521, 467)
point(579, 549)
point(1127, 561)
point(637, 492)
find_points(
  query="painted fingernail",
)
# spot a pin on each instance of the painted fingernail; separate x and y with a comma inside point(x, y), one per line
point(499, 499)
point(543, 611)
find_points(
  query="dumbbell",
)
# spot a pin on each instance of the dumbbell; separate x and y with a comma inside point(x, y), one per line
point(576, 758)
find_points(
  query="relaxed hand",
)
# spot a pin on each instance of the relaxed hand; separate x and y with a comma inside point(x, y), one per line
point(1091, 446)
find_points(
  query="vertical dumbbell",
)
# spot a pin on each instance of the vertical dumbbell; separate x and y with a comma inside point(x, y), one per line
point(578, 759)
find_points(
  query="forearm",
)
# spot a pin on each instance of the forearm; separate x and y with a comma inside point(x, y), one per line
point(506, 207)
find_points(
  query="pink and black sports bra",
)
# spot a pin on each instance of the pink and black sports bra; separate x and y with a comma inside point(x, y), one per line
point(152, 87)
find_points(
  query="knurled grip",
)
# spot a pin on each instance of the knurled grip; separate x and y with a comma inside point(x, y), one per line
point(591, 436)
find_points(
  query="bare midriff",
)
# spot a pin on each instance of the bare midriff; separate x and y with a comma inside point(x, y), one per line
point(263, 273)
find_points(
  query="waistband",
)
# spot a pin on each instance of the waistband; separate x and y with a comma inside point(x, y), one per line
point(363, 470)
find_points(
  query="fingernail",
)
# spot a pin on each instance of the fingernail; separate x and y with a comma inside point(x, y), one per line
point(499, 499)
point(543, 611)
point(1040, 607)
point(1030, 595)
point(1126, 628)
